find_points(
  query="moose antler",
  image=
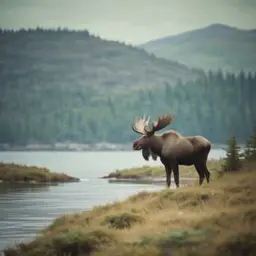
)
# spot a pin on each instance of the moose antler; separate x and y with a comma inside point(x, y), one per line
point(161, 123)
point(140, 124)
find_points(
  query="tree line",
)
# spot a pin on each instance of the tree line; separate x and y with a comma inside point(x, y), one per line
point(215, 105)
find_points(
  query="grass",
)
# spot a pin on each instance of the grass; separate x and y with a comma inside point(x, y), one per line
point(213, 219)
point(122, 220)
point(155, 172)
point(21, 173)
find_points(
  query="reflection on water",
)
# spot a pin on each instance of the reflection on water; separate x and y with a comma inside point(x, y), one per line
point(21, 188)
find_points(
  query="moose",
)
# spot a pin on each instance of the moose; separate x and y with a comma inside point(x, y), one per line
point(172, 148)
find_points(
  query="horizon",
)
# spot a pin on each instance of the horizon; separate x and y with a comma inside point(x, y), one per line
point(129, 22)
point(107, 39)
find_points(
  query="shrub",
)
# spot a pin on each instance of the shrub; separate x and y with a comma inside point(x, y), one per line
point(122, 220)
point(75, 242)
point(239, 244)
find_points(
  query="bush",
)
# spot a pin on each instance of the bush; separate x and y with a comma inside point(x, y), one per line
point(123, 220)
point(75, 242)
point(239, 244)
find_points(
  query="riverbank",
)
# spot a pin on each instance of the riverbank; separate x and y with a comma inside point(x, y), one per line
point(214, 219)
point(156, 175)
point(14, 173)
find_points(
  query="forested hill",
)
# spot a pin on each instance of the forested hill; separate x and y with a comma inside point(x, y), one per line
point(215, 106)
point(68, 59)
point(72, 87)
point(212, 47)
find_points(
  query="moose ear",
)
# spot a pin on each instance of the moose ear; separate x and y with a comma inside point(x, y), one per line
point(145, 153)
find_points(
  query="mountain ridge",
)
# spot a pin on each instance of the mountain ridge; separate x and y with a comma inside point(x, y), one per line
point(212, 47)
point(213, 26)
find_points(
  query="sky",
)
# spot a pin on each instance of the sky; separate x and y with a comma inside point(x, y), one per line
point(130, 21)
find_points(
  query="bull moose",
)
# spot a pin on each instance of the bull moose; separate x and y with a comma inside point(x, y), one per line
point(172, 148)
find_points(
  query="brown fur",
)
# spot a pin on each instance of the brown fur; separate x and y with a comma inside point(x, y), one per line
point(171, 133)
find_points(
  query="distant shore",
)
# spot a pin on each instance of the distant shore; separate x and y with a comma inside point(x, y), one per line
point(14, 173)
point(101, 146)
point(69, 146)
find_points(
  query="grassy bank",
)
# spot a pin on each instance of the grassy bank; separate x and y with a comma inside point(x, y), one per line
point(215, 219)
point(158, 172)
point(14, 173)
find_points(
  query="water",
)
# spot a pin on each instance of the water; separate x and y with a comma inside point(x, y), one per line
point(26, 209)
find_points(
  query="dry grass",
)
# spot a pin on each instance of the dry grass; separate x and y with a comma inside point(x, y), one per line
point(22, 173)
point(215, 219)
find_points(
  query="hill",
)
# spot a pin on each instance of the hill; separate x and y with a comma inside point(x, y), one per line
point(212, 47)
point(70, 59)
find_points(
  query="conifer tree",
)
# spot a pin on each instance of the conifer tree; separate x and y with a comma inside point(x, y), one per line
point(232, 160)
point(250, 147)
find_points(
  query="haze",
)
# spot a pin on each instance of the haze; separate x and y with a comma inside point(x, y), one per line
point(127, 21)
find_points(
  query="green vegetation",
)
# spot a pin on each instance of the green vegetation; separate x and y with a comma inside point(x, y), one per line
point(64, 86)
point(27, 174)
point(71, 243)
point(156, 172)
point(122, 220)
point(214, 219)
point(250, 148)
point(235, 159)
point(213, 47)
point(233, 156)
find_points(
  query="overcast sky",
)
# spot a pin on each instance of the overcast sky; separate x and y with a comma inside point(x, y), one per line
point(130, 21)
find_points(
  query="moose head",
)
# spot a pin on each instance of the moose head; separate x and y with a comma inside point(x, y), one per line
point(141, 126)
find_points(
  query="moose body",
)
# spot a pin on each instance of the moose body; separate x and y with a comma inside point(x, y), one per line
point(172, 148)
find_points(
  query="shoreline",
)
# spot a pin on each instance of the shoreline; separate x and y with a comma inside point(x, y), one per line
point(77, 147)
point(156, 174)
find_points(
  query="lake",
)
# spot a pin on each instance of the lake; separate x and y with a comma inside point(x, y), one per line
point(26, 209)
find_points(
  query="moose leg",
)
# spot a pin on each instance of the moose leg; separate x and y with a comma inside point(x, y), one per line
point(176, 175)
point(168, 176)
point(201, 172)
point(203, 166)
point(206, 171)
point(207, 174)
